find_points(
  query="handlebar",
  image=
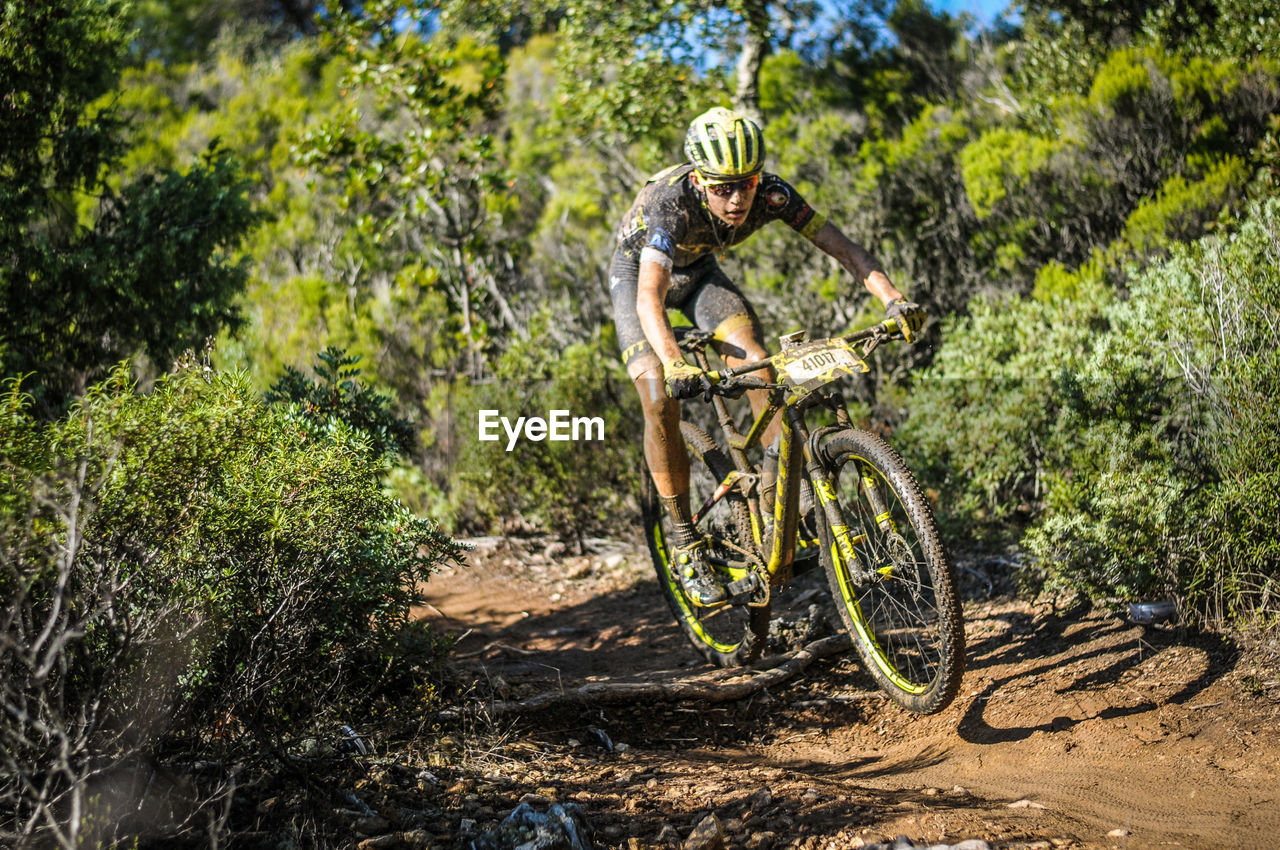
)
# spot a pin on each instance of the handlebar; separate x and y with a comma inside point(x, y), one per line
point(872, 336)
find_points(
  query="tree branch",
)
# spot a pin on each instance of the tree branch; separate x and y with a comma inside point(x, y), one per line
point(711, 687)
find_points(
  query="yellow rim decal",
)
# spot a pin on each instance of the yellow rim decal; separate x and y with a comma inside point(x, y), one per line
point(848, 594)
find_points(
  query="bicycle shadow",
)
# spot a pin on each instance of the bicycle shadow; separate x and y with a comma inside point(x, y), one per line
point(1093, 662)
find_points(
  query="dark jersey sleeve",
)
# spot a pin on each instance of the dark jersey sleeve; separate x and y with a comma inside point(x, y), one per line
point(783, 203)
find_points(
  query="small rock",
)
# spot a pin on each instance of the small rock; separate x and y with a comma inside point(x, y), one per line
point(972, 844)
point(1026, 804)
point(707, 835)
point(959, 790)
point(419, 839)
point(428, 777)
point(811, 795)
point(761, 840)
point(651, 783)
point(668, 835)
point(382, 841)
point(535, 799)
point(930, 792)
point(621, 748)
point(466, 826)
point(759, 801)
point(554, 550)
point(614, 561)
point(372, 826)
point(1118, 833)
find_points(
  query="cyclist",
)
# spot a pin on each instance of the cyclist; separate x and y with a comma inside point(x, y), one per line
point(666, 258)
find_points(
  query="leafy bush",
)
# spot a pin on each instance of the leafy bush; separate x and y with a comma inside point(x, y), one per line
point(188, 565)
point(1134, 440)
point(149, 266)
point(571, 486)
point(983, 424)
point(1173, 486)
point(338, 397)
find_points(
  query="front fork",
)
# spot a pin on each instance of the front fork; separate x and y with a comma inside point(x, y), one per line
point(842, 540)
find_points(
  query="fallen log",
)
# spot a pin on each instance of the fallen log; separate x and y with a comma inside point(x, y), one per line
point(714, 687)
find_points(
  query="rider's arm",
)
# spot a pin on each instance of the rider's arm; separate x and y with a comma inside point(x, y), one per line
point(856, 260)
point(651, 295)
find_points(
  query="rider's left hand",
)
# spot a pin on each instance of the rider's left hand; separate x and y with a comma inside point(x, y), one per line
point(910, 317)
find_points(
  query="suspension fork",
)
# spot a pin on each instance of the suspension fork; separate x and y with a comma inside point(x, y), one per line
point(842, 540)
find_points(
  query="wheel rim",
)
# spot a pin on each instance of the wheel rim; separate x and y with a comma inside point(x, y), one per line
point(896, 616)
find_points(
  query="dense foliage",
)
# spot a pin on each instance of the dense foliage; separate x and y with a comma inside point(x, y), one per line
point(194, 566)
point(94, 269)
point(1084, 199)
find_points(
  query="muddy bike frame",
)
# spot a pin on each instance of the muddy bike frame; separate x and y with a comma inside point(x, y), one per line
point(808, 369)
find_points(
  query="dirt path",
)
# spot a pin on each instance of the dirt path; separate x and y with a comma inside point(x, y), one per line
point(1073, 728)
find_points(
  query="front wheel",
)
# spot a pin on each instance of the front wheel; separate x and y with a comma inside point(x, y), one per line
point(733, 634)
point(899, 600)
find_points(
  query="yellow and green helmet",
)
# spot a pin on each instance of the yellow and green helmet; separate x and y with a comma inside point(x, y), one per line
point(724, 145)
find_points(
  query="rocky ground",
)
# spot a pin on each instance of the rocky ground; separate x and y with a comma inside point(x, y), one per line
point(1074, 728)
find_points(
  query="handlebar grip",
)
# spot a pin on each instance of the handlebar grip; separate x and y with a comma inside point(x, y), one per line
point(886, 328)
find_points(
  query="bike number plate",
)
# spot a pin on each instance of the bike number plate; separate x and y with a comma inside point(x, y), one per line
point(811, 366)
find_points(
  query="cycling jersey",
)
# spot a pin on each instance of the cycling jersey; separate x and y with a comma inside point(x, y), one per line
point(669, 224)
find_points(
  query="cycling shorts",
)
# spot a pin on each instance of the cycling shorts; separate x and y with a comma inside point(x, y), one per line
point(701, 291)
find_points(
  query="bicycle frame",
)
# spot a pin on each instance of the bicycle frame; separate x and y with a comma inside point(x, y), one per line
point(797, 448)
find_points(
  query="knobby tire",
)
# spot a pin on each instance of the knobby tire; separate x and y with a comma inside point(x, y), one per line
point(906, 622)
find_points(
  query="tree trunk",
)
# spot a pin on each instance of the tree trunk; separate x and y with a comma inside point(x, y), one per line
point(754, 48)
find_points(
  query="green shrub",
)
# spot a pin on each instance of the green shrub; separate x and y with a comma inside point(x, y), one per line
point(337, 396)
point(569, 487)
point(189, 565)
point(1169, 482)
point(982, 429)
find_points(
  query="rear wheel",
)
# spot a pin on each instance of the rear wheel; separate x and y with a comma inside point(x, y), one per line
point(904, 617)
point(732, 634)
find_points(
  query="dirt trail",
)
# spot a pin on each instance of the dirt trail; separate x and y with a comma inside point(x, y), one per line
point(1072, 729)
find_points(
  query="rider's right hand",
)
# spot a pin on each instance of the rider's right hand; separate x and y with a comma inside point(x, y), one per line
point(684, 380)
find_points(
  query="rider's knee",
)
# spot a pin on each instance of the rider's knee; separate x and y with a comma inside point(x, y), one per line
point(660, 409)
point(654, 401)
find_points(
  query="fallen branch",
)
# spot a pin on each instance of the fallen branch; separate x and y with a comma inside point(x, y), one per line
point(709, 687)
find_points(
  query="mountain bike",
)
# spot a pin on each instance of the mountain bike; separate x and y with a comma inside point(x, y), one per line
point(866, 521)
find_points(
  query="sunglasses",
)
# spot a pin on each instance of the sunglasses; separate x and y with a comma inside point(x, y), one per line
point(724, 190)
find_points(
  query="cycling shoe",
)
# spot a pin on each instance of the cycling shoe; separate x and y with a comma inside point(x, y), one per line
point(696, 577)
